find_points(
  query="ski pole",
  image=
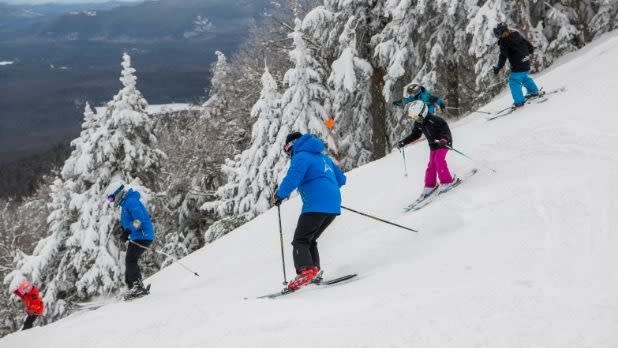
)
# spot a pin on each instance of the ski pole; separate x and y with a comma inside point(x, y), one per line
point(285, 278)
point(378, 219)
point(466, 156)
point(166, 254)
point(405, 166)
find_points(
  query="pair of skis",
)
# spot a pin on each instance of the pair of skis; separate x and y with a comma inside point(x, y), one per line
point(320, 283)
point(98, 304)
point(542, 97)
point(423, 201)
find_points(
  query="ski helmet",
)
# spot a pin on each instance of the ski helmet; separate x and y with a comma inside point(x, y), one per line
point(289, 142)
point(500, 28)
point(417, 110)
point(24, 287)
point(115, 192)
point(412, 90)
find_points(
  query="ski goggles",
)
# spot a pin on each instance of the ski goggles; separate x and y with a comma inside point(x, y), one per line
point(115, 197)
point(287, 148)
point(416, 117)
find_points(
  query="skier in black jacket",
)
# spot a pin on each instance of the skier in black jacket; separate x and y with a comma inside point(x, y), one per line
point(439, 137)
point(518, 51)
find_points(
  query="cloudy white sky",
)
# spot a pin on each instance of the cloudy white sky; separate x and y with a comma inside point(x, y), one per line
point(23, 2)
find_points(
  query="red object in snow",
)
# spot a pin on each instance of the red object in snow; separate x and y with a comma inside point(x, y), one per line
point(33, 304)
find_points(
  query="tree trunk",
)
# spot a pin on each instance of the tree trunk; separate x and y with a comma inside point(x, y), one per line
point(378, 110)
point(452, 88)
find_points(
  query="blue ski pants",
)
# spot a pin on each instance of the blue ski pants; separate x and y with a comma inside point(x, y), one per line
point(516, 81)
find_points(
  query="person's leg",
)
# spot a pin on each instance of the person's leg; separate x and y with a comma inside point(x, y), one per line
point(29, 322)
point(442, 167)
point(430, 172)
point(133, 272)
point(313, 248)
point(528, 82)
point(307, 227)
point(515, 84)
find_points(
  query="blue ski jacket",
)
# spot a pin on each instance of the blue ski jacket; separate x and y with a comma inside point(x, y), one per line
point(315, 175)
point(134, 217)
point(427, 98)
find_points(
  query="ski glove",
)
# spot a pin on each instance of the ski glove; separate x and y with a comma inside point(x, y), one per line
point(401, 144)
point(442, 107)
point(496, 70)
point(276, 200)
point(442, 142)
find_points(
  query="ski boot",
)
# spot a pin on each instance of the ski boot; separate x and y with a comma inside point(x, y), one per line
point(318, 278)
point(138, 290)
point(447, 187)
point(304, 277)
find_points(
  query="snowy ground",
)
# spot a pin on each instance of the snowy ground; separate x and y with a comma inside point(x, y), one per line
point(525, 257)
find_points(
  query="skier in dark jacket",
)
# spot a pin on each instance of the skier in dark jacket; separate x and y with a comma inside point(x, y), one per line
point(139, 230)
point(439, 138)
point(318, 180)
point(413, 91)
point(518, 51)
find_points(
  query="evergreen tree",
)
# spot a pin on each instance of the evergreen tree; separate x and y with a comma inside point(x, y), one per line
point(251, 179)
point(80, 257)
point(349, 83)
point(304, 99)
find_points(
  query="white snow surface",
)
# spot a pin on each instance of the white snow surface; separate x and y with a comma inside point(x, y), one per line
point(157, 108)
point(525, 257)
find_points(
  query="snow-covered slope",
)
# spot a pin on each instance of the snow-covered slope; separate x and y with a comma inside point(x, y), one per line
point(525, 257)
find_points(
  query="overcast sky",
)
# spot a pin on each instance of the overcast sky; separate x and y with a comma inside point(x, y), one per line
point(23, 2)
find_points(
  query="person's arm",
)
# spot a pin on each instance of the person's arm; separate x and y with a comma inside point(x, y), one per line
point(295, 174)
point(501, 59)
point(416, 133)
point(341, 178)
point(139, 216)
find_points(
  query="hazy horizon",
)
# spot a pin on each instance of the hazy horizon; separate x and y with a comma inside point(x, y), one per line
point(38, 2)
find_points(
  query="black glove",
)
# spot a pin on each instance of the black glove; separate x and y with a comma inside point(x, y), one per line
point(401, 144)
point(398, 103)
point(442, 107)
point(276, 200)
point(124, 236)
point(496, 70)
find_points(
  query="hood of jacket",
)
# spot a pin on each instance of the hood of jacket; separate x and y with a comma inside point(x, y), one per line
point(308, 143)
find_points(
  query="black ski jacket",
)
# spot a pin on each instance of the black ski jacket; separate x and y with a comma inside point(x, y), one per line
point(517, 50)
point(434, 128)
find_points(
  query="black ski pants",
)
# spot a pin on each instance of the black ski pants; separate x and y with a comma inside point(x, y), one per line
point(29, 321)
point(134, 252)
point(309, 228)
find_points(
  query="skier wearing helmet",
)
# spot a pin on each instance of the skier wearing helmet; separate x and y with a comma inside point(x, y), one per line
point(139, 230)
point(414, 91)
point(33, 304)
point(438, 136)
point(518, 50)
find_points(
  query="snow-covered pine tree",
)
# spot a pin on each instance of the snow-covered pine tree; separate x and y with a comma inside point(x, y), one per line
point(80, 257)
point(217, 103)
point(605, 19)
point(304, 99)
point(251, 179)
point(349, 83)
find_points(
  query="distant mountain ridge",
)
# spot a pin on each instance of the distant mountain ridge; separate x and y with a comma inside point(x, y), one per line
point(64, 55)
point(119, 21)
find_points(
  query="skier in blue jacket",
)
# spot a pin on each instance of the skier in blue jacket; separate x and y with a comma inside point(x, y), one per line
point(139, 230)
point(318, 180)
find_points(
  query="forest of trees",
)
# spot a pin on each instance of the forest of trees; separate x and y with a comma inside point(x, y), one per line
point(206, 171)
